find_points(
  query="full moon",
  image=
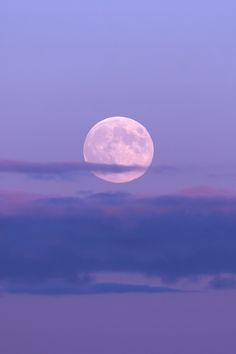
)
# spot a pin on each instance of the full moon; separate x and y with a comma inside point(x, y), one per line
point(119, 141)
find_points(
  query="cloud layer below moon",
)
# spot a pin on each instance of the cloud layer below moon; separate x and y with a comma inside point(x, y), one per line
point(44, 241)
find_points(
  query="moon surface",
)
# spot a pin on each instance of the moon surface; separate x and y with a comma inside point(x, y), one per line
point(119, 141)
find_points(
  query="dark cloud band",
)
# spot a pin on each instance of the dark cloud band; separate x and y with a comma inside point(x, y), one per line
point(168, 237)
point(67, 169)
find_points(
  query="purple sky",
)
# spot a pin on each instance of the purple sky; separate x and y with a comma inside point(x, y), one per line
point(138, 324)
point(64, 66)
point(171, 66)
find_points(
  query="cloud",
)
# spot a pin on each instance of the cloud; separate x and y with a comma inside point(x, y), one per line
point(67, 169)
point(60, 169)
point(223, 282)
point(94, 289)
point(206, 191)
point(46, 240)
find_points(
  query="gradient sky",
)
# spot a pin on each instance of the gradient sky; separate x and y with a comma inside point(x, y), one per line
point(64, 66)
point(170, 65)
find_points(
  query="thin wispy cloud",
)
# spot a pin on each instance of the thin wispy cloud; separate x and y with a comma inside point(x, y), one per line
point(92, 289)
point(43, 170)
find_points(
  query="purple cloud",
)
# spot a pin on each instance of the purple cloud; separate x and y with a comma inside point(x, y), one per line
point(46, 240)
point(90, 289)
point(223, 282)
point(66, 169)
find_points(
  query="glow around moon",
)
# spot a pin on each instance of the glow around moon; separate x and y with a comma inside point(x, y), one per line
point(119, 141)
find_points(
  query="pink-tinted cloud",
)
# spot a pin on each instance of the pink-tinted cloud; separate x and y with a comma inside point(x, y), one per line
point(208, 191)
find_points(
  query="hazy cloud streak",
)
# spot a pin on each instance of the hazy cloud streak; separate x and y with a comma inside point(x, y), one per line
point(93, 289)
point(67, 169)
